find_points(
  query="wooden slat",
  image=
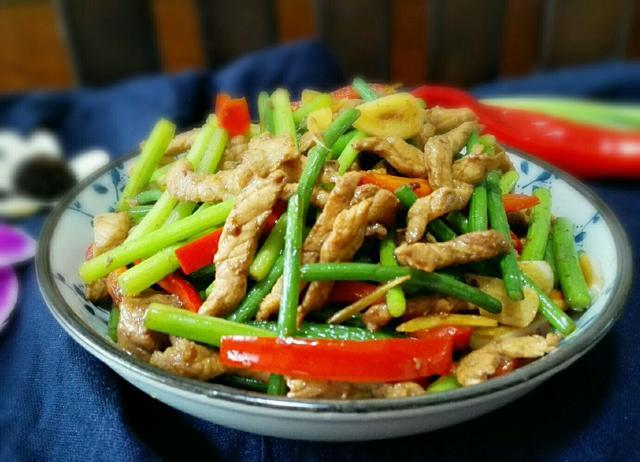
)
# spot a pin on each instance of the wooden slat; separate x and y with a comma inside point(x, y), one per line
point(358, 33)
point(408, 42)
point(633, 44)
point(521, 44)
point(32, 52)
point(465, 40)
point(583, 31)
point(178, 35)
point(295, 19)
point(231, 28)
point(110, 40)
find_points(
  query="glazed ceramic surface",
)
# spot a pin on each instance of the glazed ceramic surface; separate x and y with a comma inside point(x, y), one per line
point(68, 232)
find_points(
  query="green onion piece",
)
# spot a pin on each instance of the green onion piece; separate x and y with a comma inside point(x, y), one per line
point(550, 258)
point(458, 221)
point(138, 212)
point(152, 152)
point(552, 313)
point(250, 305)
point(321, 101)
point(442, 384)
point(245, 383)
point(209, 289)
point(313, 330)
point(508, 181)
point(112, 324)
point(349, 154)
point(472, 141)
point(511, 274)
point(363, 89)
point(570, 274)
point(441, 231)
point(149, 271)
point(265, 112)
point(148, 197)
point(150, 243)
point(342, 142)
point(406, 196)
point(478, 219)
point(197, 327)
point(282, 115)
point(396, 301)
point(155, 217)
point(488, 143)
point(291, 269)
point(277, 386)
point(268, 253)
point(435, 282)
point(213, 151)
point(159, 175)
point(539, 227)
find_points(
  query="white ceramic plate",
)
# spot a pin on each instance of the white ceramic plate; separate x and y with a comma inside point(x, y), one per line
point(67, 234)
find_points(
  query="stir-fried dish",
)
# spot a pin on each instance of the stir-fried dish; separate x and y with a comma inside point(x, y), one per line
point(354, 244)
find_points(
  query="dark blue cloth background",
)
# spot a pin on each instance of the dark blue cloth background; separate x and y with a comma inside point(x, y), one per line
point(59, 403)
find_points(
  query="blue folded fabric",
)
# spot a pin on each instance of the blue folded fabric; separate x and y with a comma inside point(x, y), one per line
point(59, 403)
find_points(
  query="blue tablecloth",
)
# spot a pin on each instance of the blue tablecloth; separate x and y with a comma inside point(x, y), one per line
point(59, 403)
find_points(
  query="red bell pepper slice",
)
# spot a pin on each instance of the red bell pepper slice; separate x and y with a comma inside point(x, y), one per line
point(585, 151)
point(515, 202)
point(350, 291)
point(233, 114)
point(389, 360)
point(278, 209)
point(199, 253)
point(461, 335)
point(181, 288)
point(420, 186)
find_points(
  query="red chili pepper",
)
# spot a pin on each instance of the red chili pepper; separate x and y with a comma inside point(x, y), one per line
point(515, 202)
point(350, 291)
point(461, 335)
point(278, 209)
point(389, 360)
point(199, 253)
point(233, 114)
point(583, 150)
point(420, 186)
point(181, 288)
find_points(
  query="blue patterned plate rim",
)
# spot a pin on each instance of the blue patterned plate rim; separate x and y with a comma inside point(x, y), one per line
point(92, 341)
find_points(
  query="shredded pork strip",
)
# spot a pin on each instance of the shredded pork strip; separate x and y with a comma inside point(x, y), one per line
point(402, 156)
point(343, 242)
point(238, 243)
point(439, 152)
point(188, 359)
point(338, 200)
point(133, 336)
point(468, 248)
point(438, 203)
point(474, 167)
point(319, 389)
point(109, 231)
point(479, 365)
point(265, 154)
